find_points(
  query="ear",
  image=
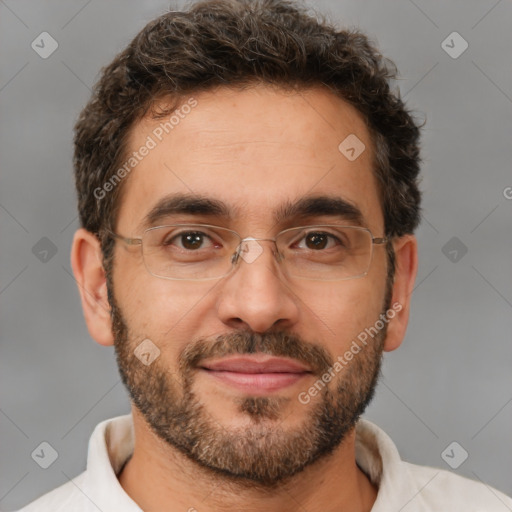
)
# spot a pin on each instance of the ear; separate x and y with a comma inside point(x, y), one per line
point(406, 257)
point(86, 262)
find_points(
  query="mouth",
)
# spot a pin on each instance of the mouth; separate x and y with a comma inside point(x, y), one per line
point(257, 373)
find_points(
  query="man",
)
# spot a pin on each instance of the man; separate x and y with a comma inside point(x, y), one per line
point(248, 195)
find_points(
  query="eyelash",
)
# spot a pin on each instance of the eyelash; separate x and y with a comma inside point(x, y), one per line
point(180, 236)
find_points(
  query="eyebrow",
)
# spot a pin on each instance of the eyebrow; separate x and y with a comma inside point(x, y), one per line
point(308, 206)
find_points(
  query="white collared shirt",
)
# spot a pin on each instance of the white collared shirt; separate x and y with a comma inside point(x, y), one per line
point(402, 486)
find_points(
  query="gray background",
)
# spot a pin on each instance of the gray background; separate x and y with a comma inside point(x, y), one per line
point(450, 380)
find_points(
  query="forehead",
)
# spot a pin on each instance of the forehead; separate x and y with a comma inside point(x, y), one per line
point(256, 151)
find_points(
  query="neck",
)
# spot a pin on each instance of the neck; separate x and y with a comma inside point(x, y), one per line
point(159, 477)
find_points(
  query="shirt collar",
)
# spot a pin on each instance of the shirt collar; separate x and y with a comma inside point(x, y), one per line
point(112, 443)
point(110, 446)
point(378, 458)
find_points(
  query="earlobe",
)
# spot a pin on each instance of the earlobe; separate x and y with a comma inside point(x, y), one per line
point(406, 257)
point(92, 286)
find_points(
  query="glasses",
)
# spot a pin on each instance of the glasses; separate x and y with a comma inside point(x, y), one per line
point(200, 252)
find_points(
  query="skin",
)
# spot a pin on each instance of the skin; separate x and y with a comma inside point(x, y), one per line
point(252, 149)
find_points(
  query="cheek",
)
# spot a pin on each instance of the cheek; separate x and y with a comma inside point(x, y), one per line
point(335, 313)
point(159, 309)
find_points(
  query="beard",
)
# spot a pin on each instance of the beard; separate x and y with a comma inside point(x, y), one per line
point(263, 455)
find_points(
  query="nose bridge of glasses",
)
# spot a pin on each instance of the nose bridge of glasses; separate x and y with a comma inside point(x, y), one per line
point(252, 239)
point(249, 249)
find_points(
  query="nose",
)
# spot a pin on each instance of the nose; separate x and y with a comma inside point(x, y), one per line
point(257, 295)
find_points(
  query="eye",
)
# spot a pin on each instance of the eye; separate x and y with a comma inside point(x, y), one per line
point(319, 240)
point(190, 240)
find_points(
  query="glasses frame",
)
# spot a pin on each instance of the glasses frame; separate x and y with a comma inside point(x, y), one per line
point(235, 257)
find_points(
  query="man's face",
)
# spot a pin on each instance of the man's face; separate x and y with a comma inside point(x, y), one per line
point(254, 151)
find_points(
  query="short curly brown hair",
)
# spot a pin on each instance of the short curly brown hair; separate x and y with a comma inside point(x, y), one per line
point(237, 43)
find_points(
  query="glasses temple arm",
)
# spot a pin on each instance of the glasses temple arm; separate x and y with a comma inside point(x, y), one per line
point(128, 241)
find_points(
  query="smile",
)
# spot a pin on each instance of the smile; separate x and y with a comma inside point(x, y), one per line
point(258, 373)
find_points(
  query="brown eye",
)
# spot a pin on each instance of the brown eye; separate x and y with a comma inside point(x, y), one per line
point(319, 240)
point(189, 240)
point(316, 241)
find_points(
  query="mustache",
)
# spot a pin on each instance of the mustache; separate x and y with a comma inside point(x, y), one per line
point(277, 343)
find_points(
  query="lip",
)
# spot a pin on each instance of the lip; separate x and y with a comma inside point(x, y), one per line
point(256, 364)
point(257, 374)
